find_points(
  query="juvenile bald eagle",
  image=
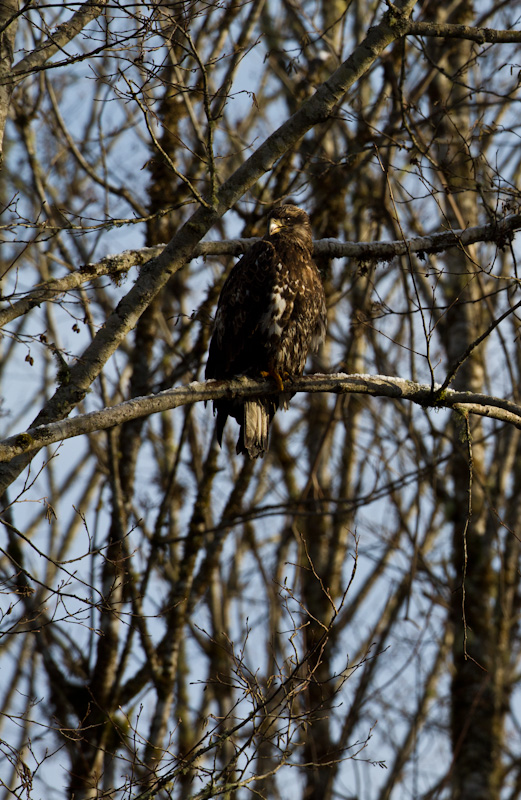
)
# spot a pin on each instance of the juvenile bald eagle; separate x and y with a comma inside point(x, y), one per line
point(270, 314)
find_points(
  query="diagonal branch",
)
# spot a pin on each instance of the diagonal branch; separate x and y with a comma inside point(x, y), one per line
point(61, 37)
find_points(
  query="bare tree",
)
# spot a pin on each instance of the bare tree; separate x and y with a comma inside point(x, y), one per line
point(340, 618)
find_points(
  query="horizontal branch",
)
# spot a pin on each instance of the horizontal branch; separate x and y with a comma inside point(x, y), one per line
point(499, 231)
point(450, 31)
point(373, 385)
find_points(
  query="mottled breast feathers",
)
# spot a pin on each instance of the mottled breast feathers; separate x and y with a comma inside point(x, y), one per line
point(270, 314)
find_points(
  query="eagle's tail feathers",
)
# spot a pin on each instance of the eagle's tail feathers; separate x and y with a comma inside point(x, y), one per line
point(253, 439)
point(284, 400)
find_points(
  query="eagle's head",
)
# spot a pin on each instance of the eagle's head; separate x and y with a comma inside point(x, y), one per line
point(290, 220)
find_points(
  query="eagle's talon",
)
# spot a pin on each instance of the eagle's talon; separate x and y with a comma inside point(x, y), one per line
point(272, 373)
point(278, 380)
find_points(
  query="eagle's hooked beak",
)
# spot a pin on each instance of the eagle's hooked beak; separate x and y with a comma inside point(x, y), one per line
point(274, 225)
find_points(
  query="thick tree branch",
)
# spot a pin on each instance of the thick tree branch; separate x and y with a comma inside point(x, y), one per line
point(450, 31)
point(9, 11)
point(373, 385)
point(499, 232)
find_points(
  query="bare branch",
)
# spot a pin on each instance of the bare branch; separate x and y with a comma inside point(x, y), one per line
point(449, 31)
point(373, 385)
point(63, 34)
point(499, 232)
point(112, 265)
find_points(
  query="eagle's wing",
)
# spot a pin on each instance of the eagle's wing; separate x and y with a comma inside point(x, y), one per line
point(245, 300)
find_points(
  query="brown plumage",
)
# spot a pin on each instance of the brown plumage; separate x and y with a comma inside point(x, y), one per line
point(270, 314)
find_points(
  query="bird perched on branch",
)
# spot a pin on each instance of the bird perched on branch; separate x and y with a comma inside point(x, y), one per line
point(270, 314)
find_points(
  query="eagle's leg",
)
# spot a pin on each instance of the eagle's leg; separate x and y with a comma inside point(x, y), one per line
point(272, 373)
